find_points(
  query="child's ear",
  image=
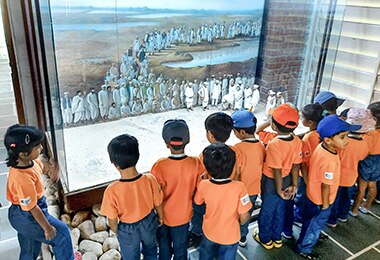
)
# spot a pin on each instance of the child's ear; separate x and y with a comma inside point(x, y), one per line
point(210, 136)
point(327, 140)
point(273, 126)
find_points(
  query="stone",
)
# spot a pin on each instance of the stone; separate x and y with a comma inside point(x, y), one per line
point(93, 218)
point(66, 219)
point(80, 217)
point(101, 224)
point(96, 209)
point(99, 236)
point(112, 234)
point(91, 246)
point(50, 200)
point(75, 234)
point(89, 256)
point(110, 243)
point(54, 211)
point(66, 209)
point(112, 254)
point(86, 229)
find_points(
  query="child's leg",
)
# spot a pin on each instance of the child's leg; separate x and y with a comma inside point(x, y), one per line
point(371, 195)
point(147, 230)
point(314, 220)
point(362, 186)
point(333, 219)
point(299, 200)
point(164, 242)
point(197, 219)
point(129, 240)
point(29, 248)
point(244, 228)
point(180, 238)
point(270, 201)
point(227, 252)
point(209, 249)
point(289, 218)
point(344, 204)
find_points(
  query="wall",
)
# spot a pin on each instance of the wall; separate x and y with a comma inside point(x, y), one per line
point(285, 32)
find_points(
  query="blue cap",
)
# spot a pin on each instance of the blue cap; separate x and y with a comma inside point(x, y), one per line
point(332, 125)
point(324, 96)
point(243, 119)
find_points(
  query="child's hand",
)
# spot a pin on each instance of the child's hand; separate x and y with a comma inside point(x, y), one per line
point(50, 233)
point(290, 192)
point(283, 195)
point(160, 222)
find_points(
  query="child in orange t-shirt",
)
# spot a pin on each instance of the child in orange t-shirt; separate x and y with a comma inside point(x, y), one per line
point(280, 176)
point(227, 204)
point(250, 154)
point(323, 182)
point(131, 203)
point(311, 116)
point(218, 129)
point(178, 176)
point(28, 213)
point(357, 149)
point(369, 168)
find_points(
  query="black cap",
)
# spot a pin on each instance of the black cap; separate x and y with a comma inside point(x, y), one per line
point(176, 132)
point(22, 138)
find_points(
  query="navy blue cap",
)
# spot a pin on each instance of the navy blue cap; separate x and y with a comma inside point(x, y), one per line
point(324, 96)
point(332, 125)
point(243, 119)
point(176, 129)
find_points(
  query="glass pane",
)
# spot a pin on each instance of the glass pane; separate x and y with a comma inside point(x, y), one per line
point(142, 56)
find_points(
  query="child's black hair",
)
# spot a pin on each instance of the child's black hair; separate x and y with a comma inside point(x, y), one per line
point(219, 160)
point(21, 139)
point(282, 128)
point(220, 126)
point(330, 105)
point(249, 130)
point(123, 151)
point(375, 111)
point(313, 112)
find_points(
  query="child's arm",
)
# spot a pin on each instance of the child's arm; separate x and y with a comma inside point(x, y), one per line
point(292, 190)
point(112, 223)
point(325, 196)
point(160, 213)
point(39, 216)
point(264, 125)
point(278, 180)
point(305, 172)
point(243, 218)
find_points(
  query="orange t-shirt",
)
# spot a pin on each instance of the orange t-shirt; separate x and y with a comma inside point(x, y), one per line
point(282, 153)
point(250, 159)
point(131, 200)
point(206, 175)
point(355, 151)
point(265, 136)
point(375, 142)
point(25, 186)
point(324, 168)
point(225, 200)
point(310, 142)
point(178, 178)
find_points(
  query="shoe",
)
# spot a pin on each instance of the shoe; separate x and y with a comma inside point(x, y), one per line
point(243, 241)
point(330, 225)
point(268, 245)
point(352, 214)
point(277, 243)
point(311, 255)
point(344, 220)
point(286, 236)
point(323, 237)
point(363, 210)
point(195, 240)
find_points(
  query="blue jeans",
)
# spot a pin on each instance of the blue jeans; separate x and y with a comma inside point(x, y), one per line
point(197, 219)
point(210, 250)
point(30, 234)
point(272, 213)
point(288, 218)
point(244, 228)
point(341, 205)
point(173, 241)
point(299, 200)
point(144, 231)
point(314, 220)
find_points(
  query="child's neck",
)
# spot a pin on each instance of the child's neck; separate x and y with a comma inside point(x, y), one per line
point(283, 133)
point(128, 173)
point(23, 162)
point(248, 137)
point(329, 147)
point(177, 152)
